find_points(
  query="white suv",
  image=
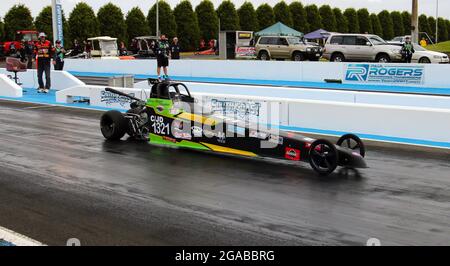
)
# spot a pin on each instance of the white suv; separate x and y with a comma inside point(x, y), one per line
point(360, 47)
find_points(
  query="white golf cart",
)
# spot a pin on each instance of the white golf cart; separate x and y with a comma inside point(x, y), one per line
point(104, 47)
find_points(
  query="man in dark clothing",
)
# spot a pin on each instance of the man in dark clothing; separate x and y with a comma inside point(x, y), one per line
point(44, 51)
point(29, 51)
point(21, 53)
point(58, 57)
point(408, 50)
point(12, 49)
point(162, 51)
point(76, 50)
point(88, 49)
point(134, 46)
point(175, 49)
point(123, 51)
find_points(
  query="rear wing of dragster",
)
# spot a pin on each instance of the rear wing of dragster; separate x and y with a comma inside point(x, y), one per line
point(122, 94)
point(150, 82)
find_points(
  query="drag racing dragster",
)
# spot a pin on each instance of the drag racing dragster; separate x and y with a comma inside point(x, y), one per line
point(165, 118)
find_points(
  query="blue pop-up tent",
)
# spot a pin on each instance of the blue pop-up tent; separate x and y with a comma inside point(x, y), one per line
point(318, 34)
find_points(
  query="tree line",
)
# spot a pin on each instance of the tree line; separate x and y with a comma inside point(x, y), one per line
point(203, 22)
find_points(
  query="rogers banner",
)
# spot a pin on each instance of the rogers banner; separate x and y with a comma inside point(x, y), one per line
point(385, 74)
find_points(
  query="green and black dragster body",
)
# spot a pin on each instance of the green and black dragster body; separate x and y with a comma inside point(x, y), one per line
point(168, 118)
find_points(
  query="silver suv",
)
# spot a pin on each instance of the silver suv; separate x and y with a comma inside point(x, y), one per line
point(360, 47)
point(285, 47)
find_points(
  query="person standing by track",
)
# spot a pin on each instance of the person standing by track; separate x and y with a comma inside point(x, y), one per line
point(175, 49)
point(162, 51)
point(29, 52)
point(423, 42)
point(44, 50)
point(408, 50)
point(58, 57)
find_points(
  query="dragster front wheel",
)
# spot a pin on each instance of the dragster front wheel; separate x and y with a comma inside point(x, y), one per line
point(353, 143)
point(323, 157)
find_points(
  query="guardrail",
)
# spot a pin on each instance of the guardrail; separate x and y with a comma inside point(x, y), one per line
point(392, 99)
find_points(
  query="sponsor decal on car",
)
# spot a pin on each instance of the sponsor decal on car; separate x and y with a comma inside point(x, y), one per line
point(380, 73)
point(182, 135)
point(292, 154)
point(179, 132)
point(169, 139)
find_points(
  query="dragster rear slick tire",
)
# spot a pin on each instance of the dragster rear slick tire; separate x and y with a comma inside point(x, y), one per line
point(113, 125)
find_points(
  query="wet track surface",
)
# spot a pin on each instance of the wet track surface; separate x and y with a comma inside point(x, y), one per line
point(59, 179)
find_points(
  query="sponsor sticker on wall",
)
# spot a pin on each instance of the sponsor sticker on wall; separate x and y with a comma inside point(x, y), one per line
point(385, 74)
point(245, 52)
point(110, 98)
point(241, 109)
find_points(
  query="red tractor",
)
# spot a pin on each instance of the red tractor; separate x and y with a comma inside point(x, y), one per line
point(21, 35)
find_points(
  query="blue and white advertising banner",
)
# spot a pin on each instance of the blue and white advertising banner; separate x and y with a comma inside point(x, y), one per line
point(58, 32)
point(385, 74)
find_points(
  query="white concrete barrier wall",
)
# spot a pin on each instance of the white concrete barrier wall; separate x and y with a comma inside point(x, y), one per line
point(381, 121)
point(60, 79)
point(273, 70)
point(385, 121)
point(437, 76)
point(135, 67)
point(9, 88)
point(260, 70)
point(434, 75)
point(98, 97)
point(317, 94)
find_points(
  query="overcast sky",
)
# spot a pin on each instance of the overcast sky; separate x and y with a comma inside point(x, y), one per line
point(426, 6)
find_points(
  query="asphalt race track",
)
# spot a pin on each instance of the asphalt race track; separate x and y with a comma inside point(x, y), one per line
point(59, 179)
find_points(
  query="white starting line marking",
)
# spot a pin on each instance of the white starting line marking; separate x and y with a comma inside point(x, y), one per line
point(17, 239)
